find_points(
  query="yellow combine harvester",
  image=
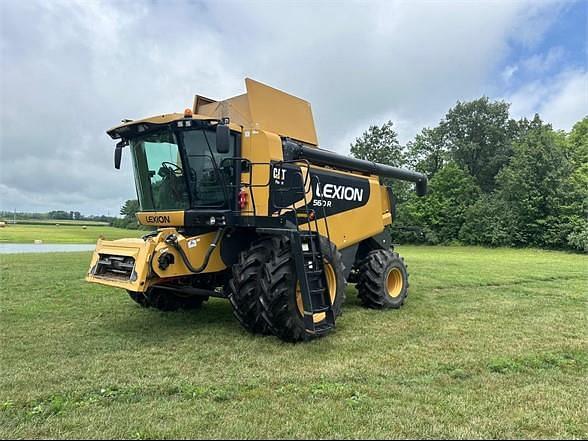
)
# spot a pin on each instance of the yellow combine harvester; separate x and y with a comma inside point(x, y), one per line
point(250, 209)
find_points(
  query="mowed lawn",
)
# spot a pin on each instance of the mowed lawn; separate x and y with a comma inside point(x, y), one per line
point(491, 343)
point(63, 233)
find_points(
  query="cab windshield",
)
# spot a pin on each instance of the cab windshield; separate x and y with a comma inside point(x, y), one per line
point(176, 170)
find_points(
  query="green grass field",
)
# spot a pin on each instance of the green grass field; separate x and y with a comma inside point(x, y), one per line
point(63, 233)
point(491, 343)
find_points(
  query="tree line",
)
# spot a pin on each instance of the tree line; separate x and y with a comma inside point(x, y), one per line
point(493, 180)
point(128, 212)
point(53, 215)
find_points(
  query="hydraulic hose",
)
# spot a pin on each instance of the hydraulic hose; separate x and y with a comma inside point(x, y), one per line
point(172, 240)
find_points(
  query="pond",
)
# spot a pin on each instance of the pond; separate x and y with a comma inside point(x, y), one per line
point(9, 248)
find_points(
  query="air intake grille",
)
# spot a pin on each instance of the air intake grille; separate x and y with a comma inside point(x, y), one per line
point(115, 267)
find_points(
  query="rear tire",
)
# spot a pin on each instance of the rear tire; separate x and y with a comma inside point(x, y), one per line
point(244, 286)
point(278, 293)
point(382, 280)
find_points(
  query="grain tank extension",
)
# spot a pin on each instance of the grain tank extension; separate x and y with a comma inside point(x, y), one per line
point(246, 206)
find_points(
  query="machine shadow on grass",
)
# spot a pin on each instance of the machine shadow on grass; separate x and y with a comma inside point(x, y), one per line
point(214, 318)
point(213, 314)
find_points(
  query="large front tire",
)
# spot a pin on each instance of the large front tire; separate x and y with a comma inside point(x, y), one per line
point(280, 295)
point(244, 286)
point(382, 280)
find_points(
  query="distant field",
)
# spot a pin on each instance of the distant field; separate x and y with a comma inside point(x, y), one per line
point(62, 233)
point(54, 221)
point(491, 344)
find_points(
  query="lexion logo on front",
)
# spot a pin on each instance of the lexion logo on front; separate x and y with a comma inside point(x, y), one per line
point(158, 219)
point(342, 192)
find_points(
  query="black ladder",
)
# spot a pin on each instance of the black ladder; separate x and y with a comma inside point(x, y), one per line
point(308, 257)
point(310, 269)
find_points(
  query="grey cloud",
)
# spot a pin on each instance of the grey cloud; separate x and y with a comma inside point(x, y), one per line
point(70, 70)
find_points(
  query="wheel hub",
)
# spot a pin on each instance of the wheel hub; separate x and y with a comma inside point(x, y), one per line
point(394, 282)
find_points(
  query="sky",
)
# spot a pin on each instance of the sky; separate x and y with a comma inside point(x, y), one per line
point(69, 70)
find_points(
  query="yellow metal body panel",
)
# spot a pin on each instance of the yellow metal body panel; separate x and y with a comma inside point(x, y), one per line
point(352, 226)
point(195, 249)
point(236, 109)
point(138, 249)
point(264, 108)
point(259, 147)
point(146, 253)
point(386, 206)
point(280, 113)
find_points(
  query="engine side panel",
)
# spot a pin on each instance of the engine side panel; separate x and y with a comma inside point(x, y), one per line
point(348, 206)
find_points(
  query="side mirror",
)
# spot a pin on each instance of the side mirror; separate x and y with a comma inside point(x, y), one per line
point(223, 138)
point(118, 154)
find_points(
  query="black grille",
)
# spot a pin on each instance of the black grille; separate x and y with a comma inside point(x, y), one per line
point(115, 267)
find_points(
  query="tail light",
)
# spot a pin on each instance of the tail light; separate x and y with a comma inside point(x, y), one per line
point(242, 199)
